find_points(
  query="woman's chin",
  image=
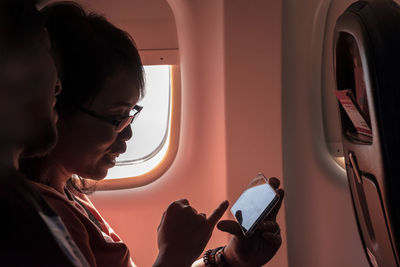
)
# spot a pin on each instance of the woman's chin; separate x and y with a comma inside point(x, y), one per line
point(100, 173)
point(99, 176)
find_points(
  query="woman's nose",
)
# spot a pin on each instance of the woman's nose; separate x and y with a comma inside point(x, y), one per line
point(58, 88)
point(125, 134)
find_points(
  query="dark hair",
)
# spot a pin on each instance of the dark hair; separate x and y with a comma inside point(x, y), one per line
point(20, 23)
point(88, 50)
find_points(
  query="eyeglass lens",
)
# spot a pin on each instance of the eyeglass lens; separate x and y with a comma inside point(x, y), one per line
point(124, 123)
point(128, 120)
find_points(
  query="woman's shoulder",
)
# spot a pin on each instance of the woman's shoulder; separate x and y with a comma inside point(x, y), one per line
point(63, 206)
point(46, 190)
point(72, 218)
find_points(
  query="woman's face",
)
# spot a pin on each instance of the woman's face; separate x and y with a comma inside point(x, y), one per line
point(89, 146)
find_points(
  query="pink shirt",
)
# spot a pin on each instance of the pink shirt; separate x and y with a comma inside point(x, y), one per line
point(95, 238)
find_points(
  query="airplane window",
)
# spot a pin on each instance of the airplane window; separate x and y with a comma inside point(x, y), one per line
point(150, 131)
point(330, 109)
point(349, 78)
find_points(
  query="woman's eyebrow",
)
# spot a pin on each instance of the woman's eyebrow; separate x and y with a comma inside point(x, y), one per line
point(122, 104)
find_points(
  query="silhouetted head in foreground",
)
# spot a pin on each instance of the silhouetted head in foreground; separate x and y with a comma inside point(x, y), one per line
point(28, 79)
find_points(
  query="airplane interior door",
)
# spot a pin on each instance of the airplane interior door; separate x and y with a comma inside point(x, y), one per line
point(367, 71)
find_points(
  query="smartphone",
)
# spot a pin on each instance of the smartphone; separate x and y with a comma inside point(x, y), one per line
point(254, 204)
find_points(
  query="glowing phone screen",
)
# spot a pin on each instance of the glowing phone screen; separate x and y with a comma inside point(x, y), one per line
point(253, 203)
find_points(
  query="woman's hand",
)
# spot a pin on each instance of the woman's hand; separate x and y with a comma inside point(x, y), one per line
point(261, 246)
point(183, 233)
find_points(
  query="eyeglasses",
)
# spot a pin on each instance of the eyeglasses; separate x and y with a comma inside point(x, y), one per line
point(120, 125)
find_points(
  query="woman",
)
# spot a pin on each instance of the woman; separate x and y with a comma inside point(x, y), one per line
point(102, 78)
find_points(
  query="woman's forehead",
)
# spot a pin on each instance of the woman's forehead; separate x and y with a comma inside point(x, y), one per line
point(120, 90)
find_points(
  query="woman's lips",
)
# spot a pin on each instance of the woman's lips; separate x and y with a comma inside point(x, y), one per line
point(54, 111)
point(118, 149)
point(55, 115)
point(111, 158)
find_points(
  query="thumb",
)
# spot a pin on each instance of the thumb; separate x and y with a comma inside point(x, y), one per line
point(217, 214)
point(231, 227)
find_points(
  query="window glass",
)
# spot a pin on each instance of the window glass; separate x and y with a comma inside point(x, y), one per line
point(150, 129)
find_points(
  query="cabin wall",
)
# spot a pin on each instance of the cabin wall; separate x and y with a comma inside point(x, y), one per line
point(231, 119)
point(253, 97)
point(321, 226)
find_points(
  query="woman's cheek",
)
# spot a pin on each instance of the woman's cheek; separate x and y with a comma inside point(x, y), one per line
point(100, 138)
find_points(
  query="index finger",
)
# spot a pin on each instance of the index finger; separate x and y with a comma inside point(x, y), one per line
point(218, 212)
point(162, 220)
